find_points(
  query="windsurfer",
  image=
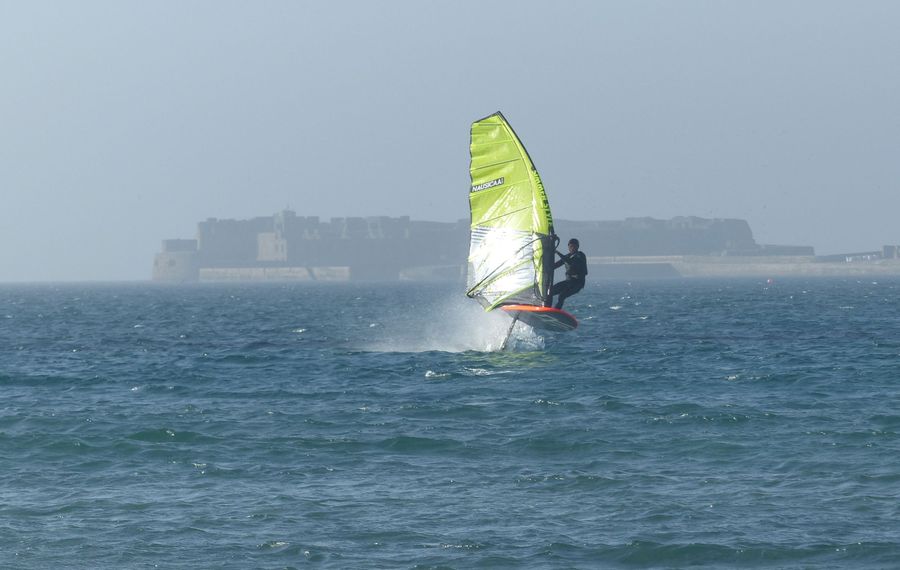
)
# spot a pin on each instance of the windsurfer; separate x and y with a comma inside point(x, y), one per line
point(576, 271)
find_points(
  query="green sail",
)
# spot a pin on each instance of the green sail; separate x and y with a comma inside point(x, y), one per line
point(512, 239)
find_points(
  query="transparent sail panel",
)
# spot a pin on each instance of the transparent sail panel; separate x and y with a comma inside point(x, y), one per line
point(501, 267)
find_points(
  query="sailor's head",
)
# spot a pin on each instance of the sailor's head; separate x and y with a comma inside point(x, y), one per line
point(573, 244)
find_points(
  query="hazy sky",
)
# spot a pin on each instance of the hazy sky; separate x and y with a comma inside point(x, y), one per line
point(125, 123)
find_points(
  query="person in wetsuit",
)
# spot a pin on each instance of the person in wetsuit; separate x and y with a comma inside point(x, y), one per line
point(576, 271)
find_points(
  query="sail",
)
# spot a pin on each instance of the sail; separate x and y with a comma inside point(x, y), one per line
point(512, 239)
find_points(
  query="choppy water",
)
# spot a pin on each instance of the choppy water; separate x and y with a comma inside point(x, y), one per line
point(719, 424)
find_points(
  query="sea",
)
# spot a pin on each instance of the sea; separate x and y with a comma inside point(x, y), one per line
point(739, 423)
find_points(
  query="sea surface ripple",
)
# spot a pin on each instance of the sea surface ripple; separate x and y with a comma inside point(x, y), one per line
point(685, 423)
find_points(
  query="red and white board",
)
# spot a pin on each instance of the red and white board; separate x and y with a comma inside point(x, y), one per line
point(542, 318)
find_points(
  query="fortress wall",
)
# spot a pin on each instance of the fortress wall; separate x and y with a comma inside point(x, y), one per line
point(290, 247)
point(175, 266)
point(274, 274)
point(802, 269)
point(751, 266)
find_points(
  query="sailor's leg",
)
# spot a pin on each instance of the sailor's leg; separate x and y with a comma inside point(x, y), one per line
point(561, 300)
point(565, 291)
point(554, 289)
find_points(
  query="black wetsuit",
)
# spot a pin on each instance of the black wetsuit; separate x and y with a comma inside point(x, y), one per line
point(576, 271)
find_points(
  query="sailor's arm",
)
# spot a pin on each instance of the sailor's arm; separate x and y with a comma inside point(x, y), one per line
point(560, 263)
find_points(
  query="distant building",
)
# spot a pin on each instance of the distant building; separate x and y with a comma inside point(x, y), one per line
point(288, 246)
point(178, 261)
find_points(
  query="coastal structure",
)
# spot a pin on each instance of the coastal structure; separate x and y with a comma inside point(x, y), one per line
point(286, 246)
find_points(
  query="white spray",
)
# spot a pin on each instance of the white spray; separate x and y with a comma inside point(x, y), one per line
point(454, 324)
